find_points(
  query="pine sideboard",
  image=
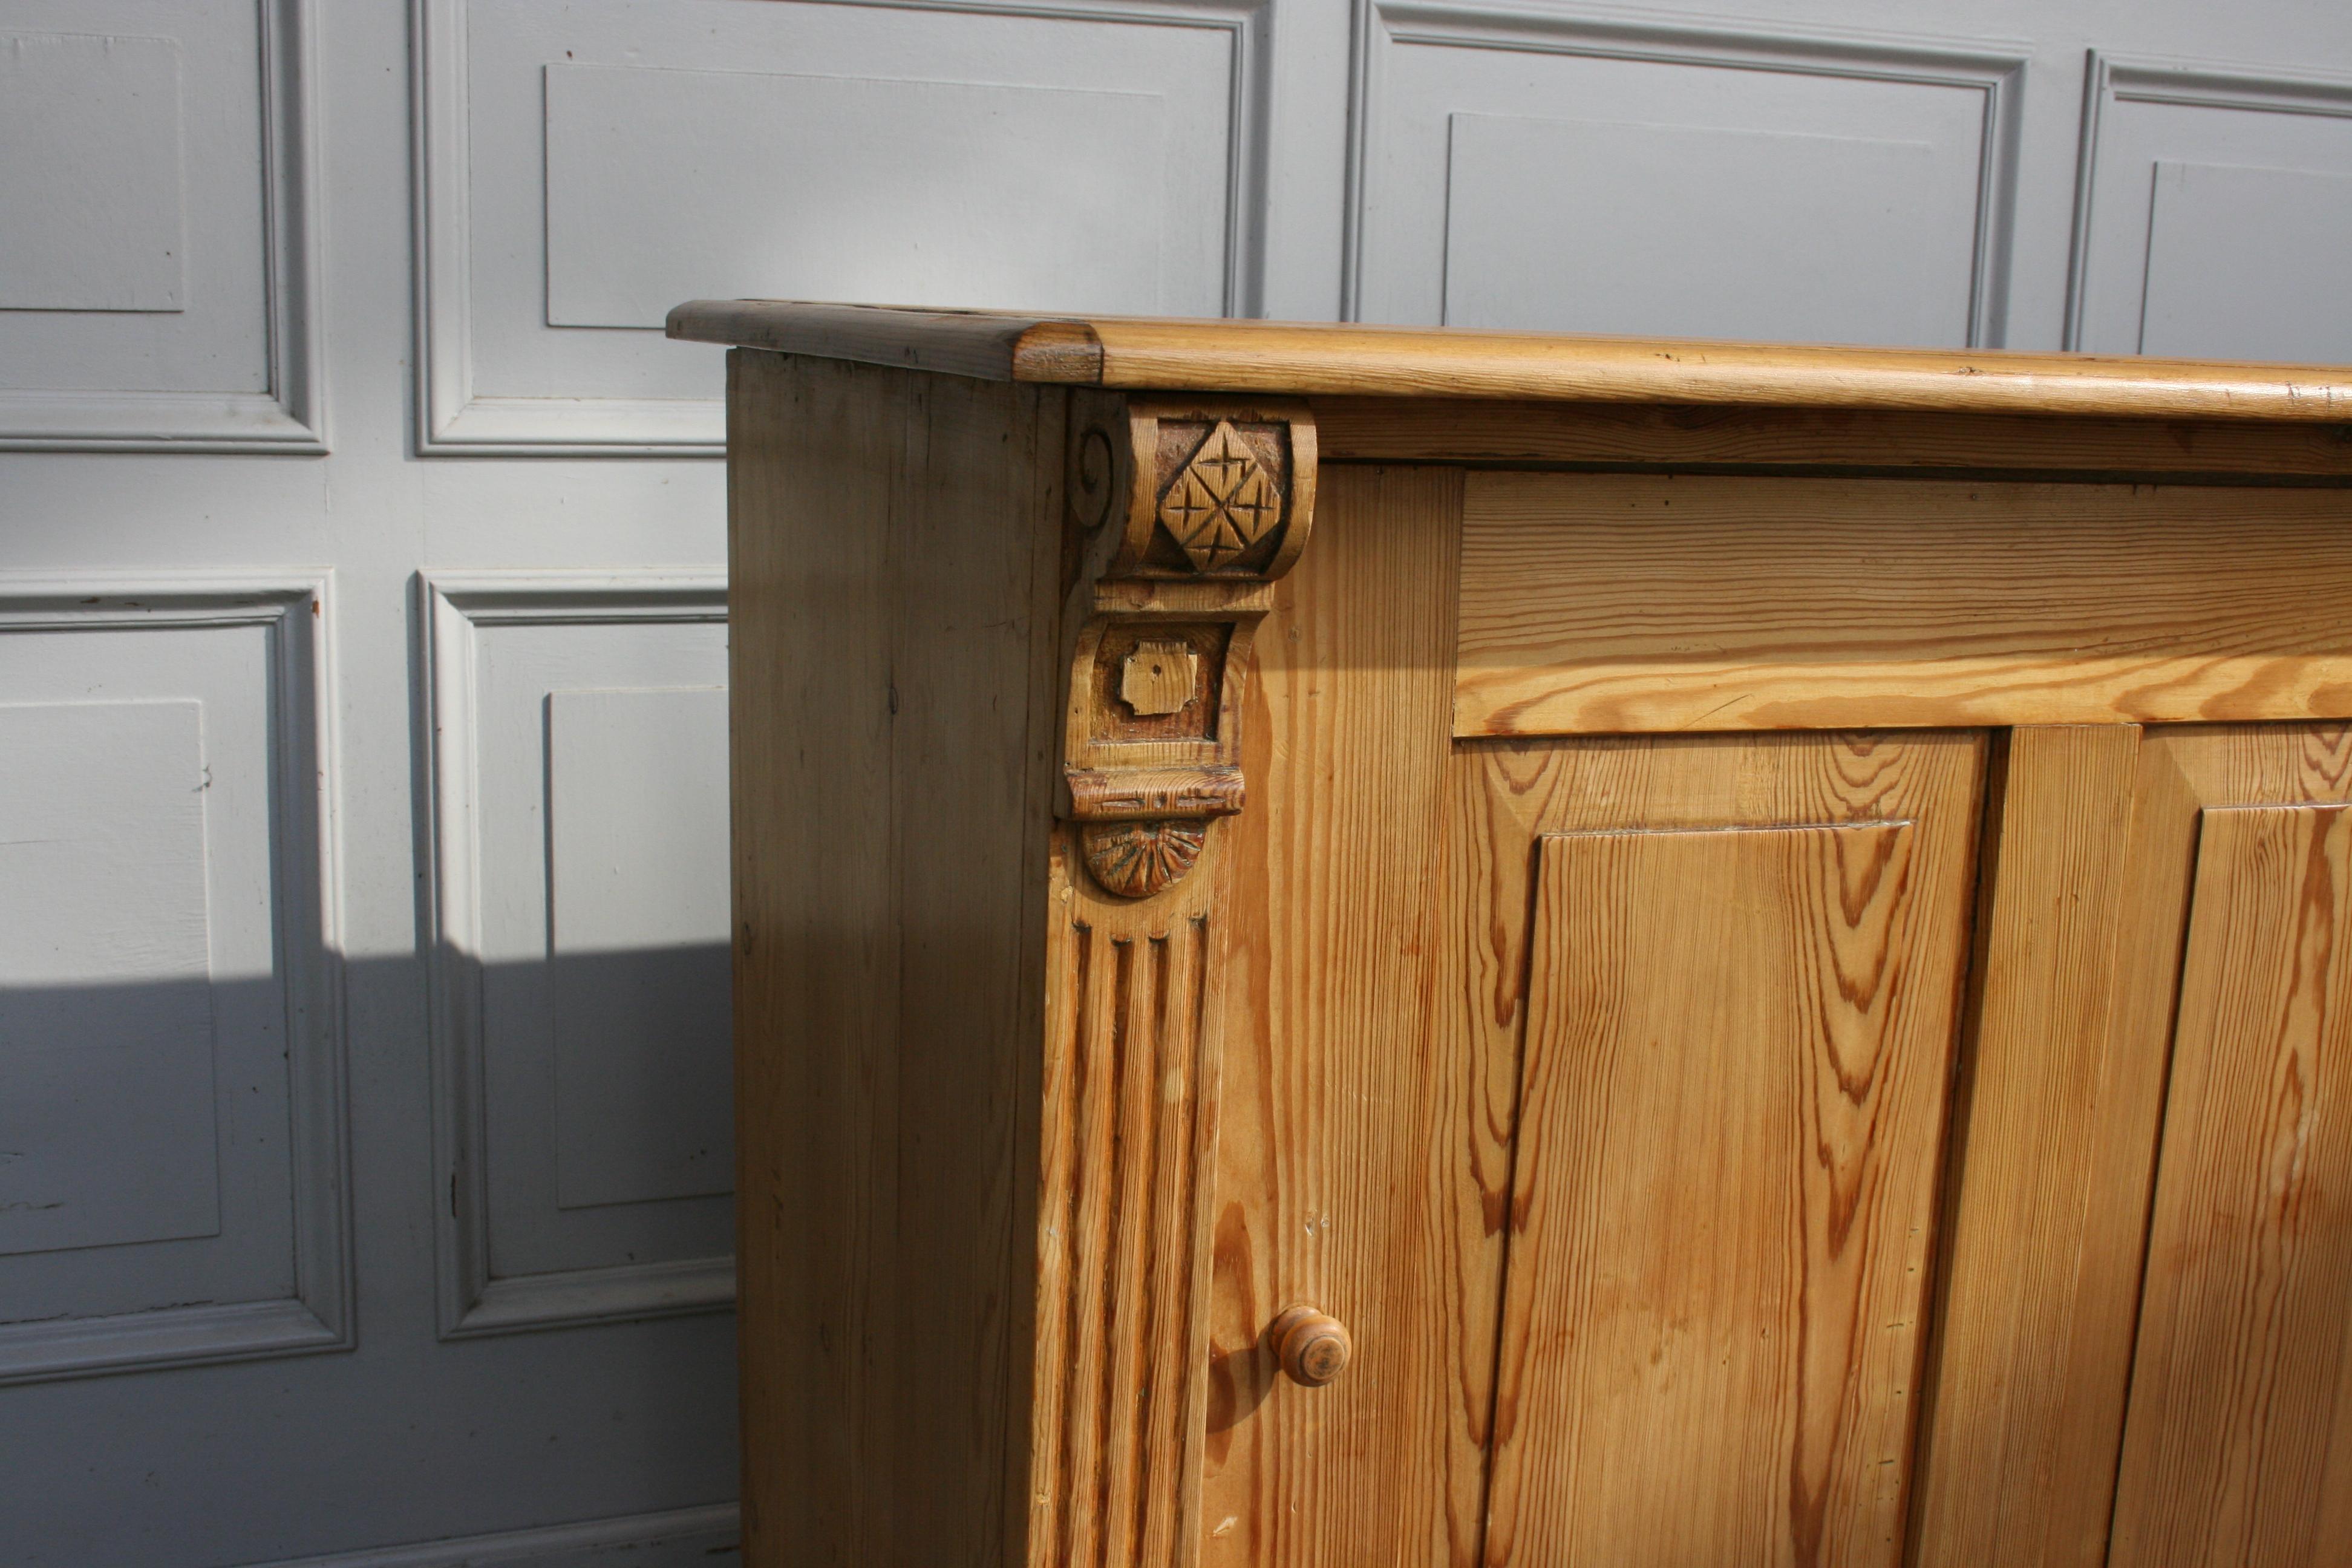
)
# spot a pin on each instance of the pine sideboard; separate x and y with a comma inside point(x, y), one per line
point(1362, 947)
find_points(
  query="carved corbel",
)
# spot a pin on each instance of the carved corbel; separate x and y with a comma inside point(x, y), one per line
point(1187, 511)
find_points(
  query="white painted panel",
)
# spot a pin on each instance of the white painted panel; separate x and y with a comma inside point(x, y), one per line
point(637, 874)
point(90, 213)
point(2249, 263)
point(812, 187)
point(1708, 232)
point(2213, 214)
point(581, 831)
point(107, 1130)
point(168, 1062)
point(587, 166)
point(1522, 169)
point(155, 221)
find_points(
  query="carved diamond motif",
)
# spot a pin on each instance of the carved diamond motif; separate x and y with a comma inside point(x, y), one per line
point(1223, 502)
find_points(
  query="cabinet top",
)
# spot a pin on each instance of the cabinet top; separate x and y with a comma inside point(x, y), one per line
point(1140, 353)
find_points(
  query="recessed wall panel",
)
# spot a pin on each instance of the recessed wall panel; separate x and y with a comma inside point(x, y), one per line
point(583, 1040)
point(170, 1178)
point(2213, 214)
point(1701, 232)
point(1562, 173)
point(91, 199)
point(107, 1127)
point(588, 166)
point(2248, 263)
point(804, 187)
point(155, 221)
point(638, 916)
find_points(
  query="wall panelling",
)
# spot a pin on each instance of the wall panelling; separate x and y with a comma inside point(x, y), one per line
point(171, 1175)
point(158, 212)
point(583, 168)
point(2214, 211)
point(1575, 172)
point(578, 726)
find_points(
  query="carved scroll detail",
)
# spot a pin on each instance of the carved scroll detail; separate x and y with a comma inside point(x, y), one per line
point(1220, 497)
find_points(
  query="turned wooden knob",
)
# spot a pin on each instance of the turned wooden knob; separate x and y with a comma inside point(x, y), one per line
point(1313, 1347)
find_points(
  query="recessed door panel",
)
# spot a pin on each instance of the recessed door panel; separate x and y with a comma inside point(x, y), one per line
point(2237, 1446)
point(1732, 1095)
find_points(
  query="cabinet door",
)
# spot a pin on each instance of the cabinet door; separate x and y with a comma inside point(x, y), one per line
point(2238, 1445)
point(2149, 1286)
point(1742, 966)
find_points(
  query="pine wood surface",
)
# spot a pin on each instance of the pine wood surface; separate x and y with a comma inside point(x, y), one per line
point(2238, 1445)
point(1634, 603)
point(1314, 358)
point(887, 1014)
point(1130, 1114)
point(1702, 1503)
point(2039, 1279)
point(1762, 440)
point(1332, 1097)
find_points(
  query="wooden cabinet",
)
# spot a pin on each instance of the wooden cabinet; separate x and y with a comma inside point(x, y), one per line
point(1365, 946)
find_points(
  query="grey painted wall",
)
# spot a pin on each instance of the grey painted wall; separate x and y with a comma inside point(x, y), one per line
point(362, 1038)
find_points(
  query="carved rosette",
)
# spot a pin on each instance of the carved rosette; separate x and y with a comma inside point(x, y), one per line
point(1189, 511)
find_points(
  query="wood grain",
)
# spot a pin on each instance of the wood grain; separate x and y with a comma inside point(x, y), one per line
point(1729, 1131)
point(1316, 358)
point(892, 713)
point(1130, 1141)
point(1763, 440)
point(2039, 1276)
point(1332, 1096)
point(975, 343)
point(1622, 603)
point(2239, 1447)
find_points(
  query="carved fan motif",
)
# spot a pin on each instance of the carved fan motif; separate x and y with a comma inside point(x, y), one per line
point(1135, 859)
point(1222, 502)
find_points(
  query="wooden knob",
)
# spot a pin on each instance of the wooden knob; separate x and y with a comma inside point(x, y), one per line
point(1312, 1346)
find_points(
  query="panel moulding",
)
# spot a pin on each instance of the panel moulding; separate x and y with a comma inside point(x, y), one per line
point(452, 420)
point(1997, 71)
point(452, 609)
point(293, 610)
point(290, 416)
point(2117, 79)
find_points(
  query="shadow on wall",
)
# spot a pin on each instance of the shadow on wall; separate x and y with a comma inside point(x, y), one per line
point(175, 1186)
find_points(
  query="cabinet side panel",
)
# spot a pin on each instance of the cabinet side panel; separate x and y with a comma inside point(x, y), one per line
point(976, 536)
point(894, 556)
point(816, 957)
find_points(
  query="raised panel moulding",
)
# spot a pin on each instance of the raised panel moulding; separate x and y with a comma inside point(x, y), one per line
point(150, 753)
point(927, 191)
point(928, 156)
point(1993, 70)
point(100, 253)
point(92, 209)
point(456, 609)
point(2114, 79)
